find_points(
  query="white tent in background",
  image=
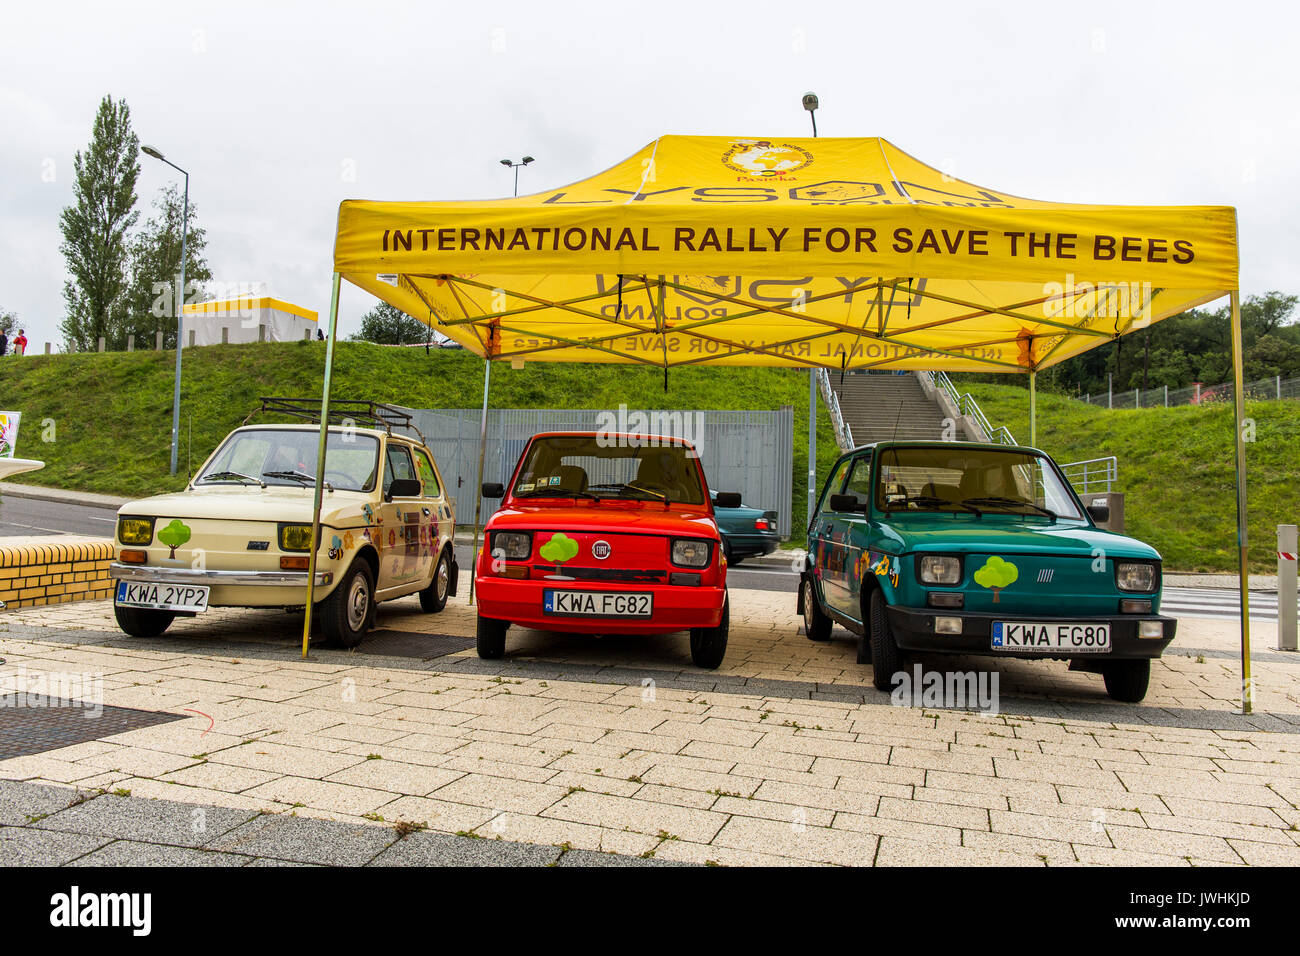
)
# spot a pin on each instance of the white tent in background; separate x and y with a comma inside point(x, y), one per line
point(247, 319)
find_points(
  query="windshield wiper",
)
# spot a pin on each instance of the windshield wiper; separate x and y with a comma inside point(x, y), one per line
point(300, 476)
point(995, 501)
point(557, 493)
point(232, 476)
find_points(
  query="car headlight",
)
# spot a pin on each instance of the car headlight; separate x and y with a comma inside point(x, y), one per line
point(1135, 577)
point(512, 545)
point(295, 537)
point(135, 530)
point(940, 569)
point(690, 552)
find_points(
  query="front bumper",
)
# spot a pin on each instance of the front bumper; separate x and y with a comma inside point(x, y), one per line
point(914, 631)
point(144, 573)
point(676, 607)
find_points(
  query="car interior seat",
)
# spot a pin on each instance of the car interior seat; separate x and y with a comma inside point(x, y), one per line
point(572, 478)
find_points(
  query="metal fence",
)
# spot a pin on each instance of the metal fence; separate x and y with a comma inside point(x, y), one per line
point(1261, 390)
point(1093, 474)
point(749, 452)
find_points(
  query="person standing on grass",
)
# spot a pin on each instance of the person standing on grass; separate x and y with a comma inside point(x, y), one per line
point(20, 343)
point(4, 342)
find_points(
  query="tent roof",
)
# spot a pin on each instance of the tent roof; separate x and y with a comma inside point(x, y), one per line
point(822, 252)
point(244, 305)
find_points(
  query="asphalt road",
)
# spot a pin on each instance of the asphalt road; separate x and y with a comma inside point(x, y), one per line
point(24, 516)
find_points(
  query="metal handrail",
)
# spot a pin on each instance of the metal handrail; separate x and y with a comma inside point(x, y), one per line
point(843, 434)
point(1094, 472)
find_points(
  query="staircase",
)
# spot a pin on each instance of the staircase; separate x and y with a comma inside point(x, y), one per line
point(878, 407)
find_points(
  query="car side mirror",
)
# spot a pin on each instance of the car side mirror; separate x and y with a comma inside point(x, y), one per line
point(404, 488)
point(846, 503)
point(1099, 513)
point(726, 499)
point(493, 489)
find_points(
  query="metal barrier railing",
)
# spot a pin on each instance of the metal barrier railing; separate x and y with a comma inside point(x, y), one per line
point(1092, 474)
point(843, 434)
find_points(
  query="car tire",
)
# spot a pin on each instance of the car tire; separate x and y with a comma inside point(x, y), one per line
point(882, 650)
point(348, 612)
point(709, 644)
point(142, 621)
point(491, 638)
point(1127, 681)
point(434, 598)
point(815, 622)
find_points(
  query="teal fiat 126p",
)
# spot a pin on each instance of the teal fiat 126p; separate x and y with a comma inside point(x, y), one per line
point(971, 548)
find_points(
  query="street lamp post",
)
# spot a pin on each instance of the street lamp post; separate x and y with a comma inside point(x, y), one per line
point(810, 104)
point(482, 438)
point(515, 166)
point(180, 302)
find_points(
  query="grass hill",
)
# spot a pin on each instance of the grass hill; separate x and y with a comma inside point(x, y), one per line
point(111, 412)
point(109, 417)
point(1176, 468)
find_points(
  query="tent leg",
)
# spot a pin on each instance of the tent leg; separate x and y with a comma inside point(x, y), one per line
point(478, 484)
point(812, 444)
point(320, 462)
point(1033, 409)
point(1239, 403)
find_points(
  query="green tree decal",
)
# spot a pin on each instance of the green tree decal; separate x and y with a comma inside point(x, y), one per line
point(996, 575)
point(559, 549)
point(174, 535)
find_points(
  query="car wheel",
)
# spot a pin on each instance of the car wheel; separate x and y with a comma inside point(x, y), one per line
point(883, 652)
point(142, 621)
point(1127, 680)
point(347, 613)
point(434, 598)
point(709, 644)
point(491, 637)
point(815, 622)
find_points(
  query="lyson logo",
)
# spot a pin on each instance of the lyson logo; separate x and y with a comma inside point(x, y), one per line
point(764, 159)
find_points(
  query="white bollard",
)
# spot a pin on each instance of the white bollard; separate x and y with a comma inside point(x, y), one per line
point(1286, 587)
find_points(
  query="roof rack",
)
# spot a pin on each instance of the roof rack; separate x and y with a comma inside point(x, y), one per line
point(345, 412)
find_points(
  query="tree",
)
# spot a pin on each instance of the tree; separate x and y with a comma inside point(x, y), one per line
point(8, 322)
point(95, 227)
point(388, 325)
point(155, 271)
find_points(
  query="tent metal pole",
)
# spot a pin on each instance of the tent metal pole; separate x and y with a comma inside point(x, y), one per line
point(812, 444)
point(1033, 409)
point(320, 462)
point(478, 484)
point(1239, 403)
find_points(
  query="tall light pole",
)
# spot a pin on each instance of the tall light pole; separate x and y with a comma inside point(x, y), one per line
point(482, 434)
point(515, 166)
point(810, 104)
point(180, 301)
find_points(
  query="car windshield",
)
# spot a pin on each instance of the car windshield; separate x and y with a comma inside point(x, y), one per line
point(971, 480)
point(288, 457)
point(590, 466)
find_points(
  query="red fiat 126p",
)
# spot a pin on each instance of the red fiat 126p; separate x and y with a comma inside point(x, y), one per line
point(604, 533)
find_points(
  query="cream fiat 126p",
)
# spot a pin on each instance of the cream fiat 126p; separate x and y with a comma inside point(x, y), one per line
point(238, 535)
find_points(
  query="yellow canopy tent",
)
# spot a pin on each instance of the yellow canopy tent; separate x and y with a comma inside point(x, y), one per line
point(839, 253)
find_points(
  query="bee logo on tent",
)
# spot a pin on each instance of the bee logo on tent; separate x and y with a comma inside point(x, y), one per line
point(765, 159)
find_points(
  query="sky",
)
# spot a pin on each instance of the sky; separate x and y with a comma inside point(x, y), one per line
point(281, 110)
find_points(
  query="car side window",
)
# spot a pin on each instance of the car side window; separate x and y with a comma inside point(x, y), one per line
point(399, 465)
point(428, 474)
point(834, 485)
point(859, 483)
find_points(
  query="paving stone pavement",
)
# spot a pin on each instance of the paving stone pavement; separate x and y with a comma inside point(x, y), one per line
point(784, 755)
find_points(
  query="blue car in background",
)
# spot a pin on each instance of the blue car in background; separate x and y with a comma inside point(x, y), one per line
point(746, 532)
